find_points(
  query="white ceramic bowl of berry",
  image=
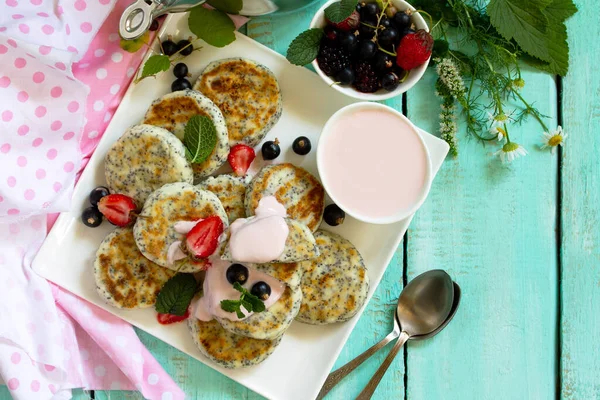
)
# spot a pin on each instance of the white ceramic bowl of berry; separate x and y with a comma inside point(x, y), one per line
point(414, 75)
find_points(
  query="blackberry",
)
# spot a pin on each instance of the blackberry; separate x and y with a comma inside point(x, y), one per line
point(366, 80)
point(332, 60)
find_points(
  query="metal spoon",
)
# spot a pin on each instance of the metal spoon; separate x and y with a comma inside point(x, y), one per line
point(427, 304)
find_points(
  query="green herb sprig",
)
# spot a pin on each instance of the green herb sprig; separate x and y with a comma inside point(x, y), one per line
point(247, 300)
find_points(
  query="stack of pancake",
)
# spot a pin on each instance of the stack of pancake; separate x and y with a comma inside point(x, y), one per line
point(325, 277)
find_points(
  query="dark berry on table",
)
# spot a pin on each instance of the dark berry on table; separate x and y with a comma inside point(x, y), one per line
point(382, 62)
point(97, 193)
point(369, 10)
point(402, 20)
point(261, 290)
point(169, 47)
point(348, 41)
point(330, 35)
point(334, 215)
point(332, 60)
point(366, 49)
point(366, 80)
point(185, 47)
point(301, 145)
point(271, 150)
point(180, 84)
point(345, 76)
point(91, 217)
point(389, 38)
point(390, 81)
point(154, 25)
point(237, 273)
point(180, 70)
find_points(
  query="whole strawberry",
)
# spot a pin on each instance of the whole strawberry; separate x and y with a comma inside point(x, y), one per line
point(415, 49)
point(349, 24)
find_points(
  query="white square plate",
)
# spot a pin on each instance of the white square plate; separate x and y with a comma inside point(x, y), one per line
point(306, 354)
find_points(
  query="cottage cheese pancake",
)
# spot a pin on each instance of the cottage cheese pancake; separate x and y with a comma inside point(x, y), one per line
point(289, 273)
point(271, 323)
point(167, 207)
point(144, 159)
point(231, 190)
point(173, 111)
point(335, 284)
point(124, 277)
point(247, 94)
point(228, 349)
point(296, 189)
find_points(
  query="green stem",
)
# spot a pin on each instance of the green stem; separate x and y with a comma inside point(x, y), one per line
point(386, 51)
point(428, 16)
point(535, 115)
point(506, 133)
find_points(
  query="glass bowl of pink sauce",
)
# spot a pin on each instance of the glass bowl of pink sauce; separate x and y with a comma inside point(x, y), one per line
point(373, 163)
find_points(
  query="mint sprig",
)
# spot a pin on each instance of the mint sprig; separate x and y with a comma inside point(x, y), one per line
point(176, 295)
point(337, 12)
point(247, 300)
point(305, 48)
point(199, 138)
point(213, 26)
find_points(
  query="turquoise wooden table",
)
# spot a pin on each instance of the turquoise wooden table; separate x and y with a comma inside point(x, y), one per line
point(521, 240)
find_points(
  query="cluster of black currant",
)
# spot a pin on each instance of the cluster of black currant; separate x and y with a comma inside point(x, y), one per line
point(91, 216)
point(185, 48)
point(271, 150)
point(239, 273)
point(361, 50)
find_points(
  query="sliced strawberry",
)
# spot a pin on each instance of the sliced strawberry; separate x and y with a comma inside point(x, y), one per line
point(118, 209)
point(203, 239)
point(240, 157)
point(166, 319)
point(349, 24)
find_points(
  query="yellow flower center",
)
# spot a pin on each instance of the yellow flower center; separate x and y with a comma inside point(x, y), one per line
point(555, 140)
point(508, 147)
point(501, 118)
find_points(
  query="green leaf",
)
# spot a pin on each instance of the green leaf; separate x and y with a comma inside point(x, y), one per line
point(240, 314)
point(238, 287)
point(522, 21)
point(213, 26)
point(230, 305)
point(176, 295)
point(199, 138)
point(337, 12)
point(131, 46)
point(305, 47)
point(155, 64)
point(560, 10)
point(247, 305)
point(257, 304)
point(556, 38)
point(228, 6)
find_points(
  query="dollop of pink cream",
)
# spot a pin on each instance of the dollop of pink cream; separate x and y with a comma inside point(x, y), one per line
point(174, 251)
point(261, 238)
point(216, 287)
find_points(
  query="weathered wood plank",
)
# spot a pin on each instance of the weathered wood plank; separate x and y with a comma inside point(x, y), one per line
point(493, 228)
point(580, 210)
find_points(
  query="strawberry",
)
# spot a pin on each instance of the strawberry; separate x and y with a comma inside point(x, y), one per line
point(414, 50)
point(240, 157)
point(349, 24)
point(118, 209)
point(203, 239)
point(166, 319)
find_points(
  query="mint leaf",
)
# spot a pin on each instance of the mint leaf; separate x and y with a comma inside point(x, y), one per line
point(131, 46)
point(247, 300)
point(213, 26)
point(238, 287)
point(228, 6)
point(230, 305)
point(176, 295)
point(199, 138)
point(305, 47)
point(155, 64)
point(337, 12)
point(247, 305)
point(257, 304)
point(522, 21)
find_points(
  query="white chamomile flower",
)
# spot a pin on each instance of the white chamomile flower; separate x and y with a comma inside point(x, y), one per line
point(510, 151)
point(499, 132)
point(500, 119)
point(553, 139)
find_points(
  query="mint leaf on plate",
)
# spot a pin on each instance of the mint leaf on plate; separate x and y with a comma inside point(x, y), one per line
point(305, 47)
point(155, 64)
point(228, 6)
point(229, 305)
point(176, 295)
point(250, 302)
point(213, 26)
point(199, 139)
point(337, 12)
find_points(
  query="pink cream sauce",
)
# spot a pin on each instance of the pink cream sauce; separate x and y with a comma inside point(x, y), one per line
point(374, 163)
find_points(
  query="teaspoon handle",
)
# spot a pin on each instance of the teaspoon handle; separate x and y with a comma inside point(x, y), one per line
point(336, 376)
point(372, 385)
